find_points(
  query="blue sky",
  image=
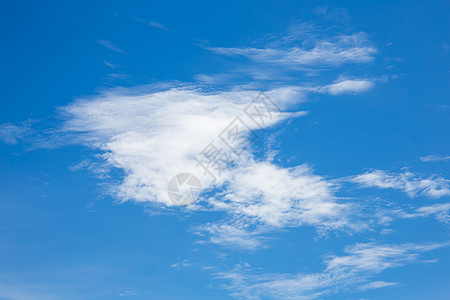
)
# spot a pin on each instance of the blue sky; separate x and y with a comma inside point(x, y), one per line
point(343, 194)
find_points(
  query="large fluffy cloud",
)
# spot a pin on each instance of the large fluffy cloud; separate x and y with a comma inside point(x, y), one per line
point(155, 134)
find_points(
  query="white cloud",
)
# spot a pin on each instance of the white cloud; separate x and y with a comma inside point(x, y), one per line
point(347, 86)
point(376, 258)
point(183, 264)
point(158, 25)
point(110, 45)
point(237, 233)
point(101, 170)
point(440, 211)
point(353, 271)
point(11, 134)
point(150, 23)
point(30, 291)
point(154, 136)
point(407, 182)
point(376, 285)
point(107, 63)
point(281, 197)
point(317, 52)
point(435, 158)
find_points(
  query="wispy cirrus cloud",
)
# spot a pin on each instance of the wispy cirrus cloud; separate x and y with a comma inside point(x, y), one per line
point(355, 271)
point(111, 46)
point(150, 23)
point(11, 134)
point(441, 211)
point(317, 52)
point(158, 25)
point(408, 182)
point(347, 86)
point(238, 233)
point(302, 50)
point(435, 158)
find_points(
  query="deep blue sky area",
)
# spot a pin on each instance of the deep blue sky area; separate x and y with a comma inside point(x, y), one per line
point(78, 222)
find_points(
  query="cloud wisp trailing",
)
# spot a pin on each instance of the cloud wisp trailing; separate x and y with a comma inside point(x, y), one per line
point(407, 182)
point(158, 25)
point(440, 211)
point(314, 52)
point(435, 158)
point(347, 86)
point(111, 46)
point(11, 134)
point(357, 270)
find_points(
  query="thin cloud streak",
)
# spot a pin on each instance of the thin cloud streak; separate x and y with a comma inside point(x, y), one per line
point(158, 25)
point(408, 182)
point(435, 158)
point(330, 52)
point(110, 45)
point(347, 87)
point(354, 271)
